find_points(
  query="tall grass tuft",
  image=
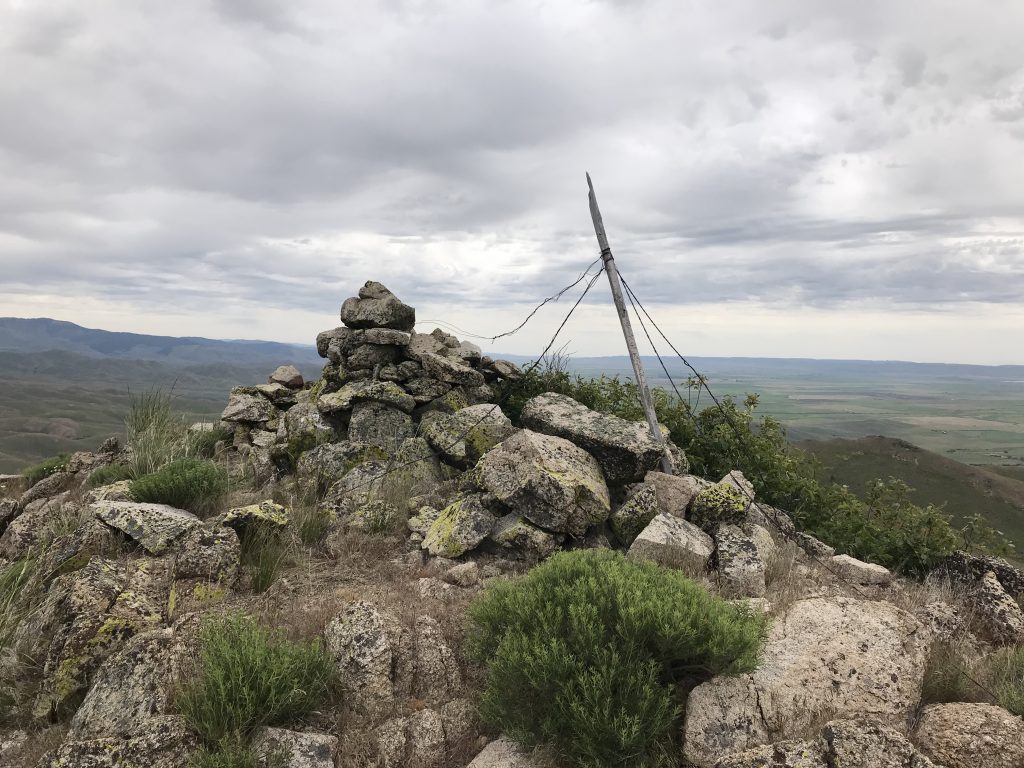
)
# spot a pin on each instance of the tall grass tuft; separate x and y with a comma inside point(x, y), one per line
point(21, 592)
point(264, 553)
point(192, 484)
point(1005, 669)
point(155, 433)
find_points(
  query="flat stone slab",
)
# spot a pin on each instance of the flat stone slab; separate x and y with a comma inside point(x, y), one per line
point(156, 527)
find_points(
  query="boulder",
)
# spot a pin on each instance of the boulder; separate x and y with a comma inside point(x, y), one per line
point(450, 371)
point(303, 428)
point(286, 376)
point(156, 527)
point(967, 569)
point(548, 480)
point(370, 357)
point(503, 753)
point(248, 409)
point(298, 750)
point(675, 493)
point(377, 307)
point(165, 741)
point(718, 504)
point(998, 613)
point(625, 450)
point(381, 425)
point(330, 461)
point(847, 657)
point(416, 741)
point(739, 564)
point(279, 395)
point(47, 488)
point(28, 527)
point(462, 438)
point(634, 514)
point(813, 547)
point(208, 554)
point(435, 675)
point(265, 513)
point(971, 736)
point(460, 527)
point(515, 533)
point(332, 344)
point(368, 391)
point(674, 543)
point(859, 572)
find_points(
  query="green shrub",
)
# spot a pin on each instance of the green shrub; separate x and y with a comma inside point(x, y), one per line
point(1005, 669)
point(45, 468)
point(250, 676)
point(587, 653)
point(203, 444)
point(192, 484)
point(111, 473)
point(264, 552)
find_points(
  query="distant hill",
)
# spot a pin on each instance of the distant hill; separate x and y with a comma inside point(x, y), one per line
point(43, 334)
point(936, 479)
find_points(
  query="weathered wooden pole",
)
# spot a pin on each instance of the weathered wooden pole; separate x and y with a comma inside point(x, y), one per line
point(627, 329)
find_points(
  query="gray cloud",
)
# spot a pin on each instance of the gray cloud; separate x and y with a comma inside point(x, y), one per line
point(226, 156)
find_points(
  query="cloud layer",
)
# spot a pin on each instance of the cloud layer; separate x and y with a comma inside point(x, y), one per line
point(236, 168)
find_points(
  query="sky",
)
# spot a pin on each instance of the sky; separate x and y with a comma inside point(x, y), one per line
point(788, 179)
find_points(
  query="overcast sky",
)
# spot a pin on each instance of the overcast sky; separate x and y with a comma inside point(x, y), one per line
point(790, 178)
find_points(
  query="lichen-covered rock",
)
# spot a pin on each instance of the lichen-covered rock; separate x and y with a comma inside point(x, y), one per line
point(436, 676)
point(997, 612)
point(377, 307)
point(548, 480)
point(248, 409)
point(625, 450)
point(375, 516)
point(783, 754)
point(851, 658)
point(24, 531)
point(463, 437)
point(381, 425)
point(205, 553)
point(47, 488)
point(386, 392)
point(517, 534)
point(674, 543)
point(460, 527)
point(416, 741)
point(164, 741)
point(719, 504)
point(968, 569)
point(156, 527)
point(132, 685)
point(738, 561)
point(463, 574)
point(298, 750)
point(265, 513)
point(373, 656)
point(11, 744)
point(303, 428)
point(634, 514)
point(814, 547)
point(119, 491)
point(971, 736)
point(450, 371)
point(286, 376)
point(859, 572)
point(330, 461)
point(675, 492)
point(503, 753)
point(740, 483)
point(281, 396)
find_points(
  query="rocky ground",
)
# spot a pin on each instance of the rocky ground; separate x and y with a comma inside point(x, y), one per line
point(402, 489)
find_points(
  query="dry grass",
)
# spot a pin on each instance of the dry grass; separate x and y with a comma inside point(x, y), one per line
point(40, 741)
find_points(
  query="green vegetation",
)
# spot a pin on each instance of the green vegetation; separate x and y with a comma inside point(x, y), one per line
point(947, 677)
point(111, 473)
point(881, 526)
point(21, 592)
point(192, 484)
point(264, 553)
point(590, 653)
point(45, 468)
point(1005, 669)
point(249, 676)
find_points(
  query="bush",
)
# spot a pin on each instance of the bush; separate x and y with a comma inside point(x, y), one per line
point(192, 484)
point(112, 473)
point(588, 654)
point(45, 468)
point(250, 676)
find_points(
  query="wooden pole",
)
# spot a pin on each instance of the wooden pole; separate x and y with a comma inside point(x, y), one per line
point(627, 329)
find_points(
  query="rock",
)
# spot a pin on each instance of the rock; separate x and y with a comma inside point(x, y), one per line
point(784, 754)
point(8, 511)
point(386, 392)
point(430, 588)
point(28, 528)
point(674, 543)
point(426, 390)
point(971, 736)
point(299, 750)
point(417, 741)
point(634, 514)
point(503, 753)
point(331, 344)
point(383, 337)
point(266, 513)
point(11, 744)
point(380, 425)
point(740, 483)
point(859, 572)
point(424, 518)
point(547, 480)
point(164, 741)
point(625, 450)
point(132, 685)
point(450, 371)
point(463, 574)
point(330, 461)
point(48, 487)
point(208, 554)
point(506, 370)
point(516, 533)
point(281, 396)
point(304, 428)
point(718, 504)
point(377, 307)
point(371, 357)
point(460, 527)
point(372, 654)
point(156, 527)
point(119, 491)
point(436, 676)
point(847, 657)
point(248, 409)
point(814, 547)
point(997, 612)
point(767, 550)
point(286, 376)
point(462, 438)
point(738, 561)
point(675, 493)
point(967, 569)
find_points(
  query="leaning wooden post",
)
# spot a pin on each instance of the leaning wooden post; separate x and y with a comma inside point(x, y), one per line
point(627, 329)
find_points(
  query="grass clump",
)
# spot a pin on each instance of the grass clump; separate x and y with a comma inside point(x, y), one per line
point(45, 468)
point(590, 654)
point(249, 676)
point(264, 552)
point(111, 473)
point(948, 676)
point(21, 593)
point(192, 484)
point(1005, 670)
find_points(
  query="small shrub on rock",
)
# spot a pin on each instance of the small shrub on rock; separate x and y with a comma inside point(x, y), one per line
point(45, 468)
point(722, 503)
point(192, 484)
point(589, 653)
point(249, 676)
point(111, 473)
